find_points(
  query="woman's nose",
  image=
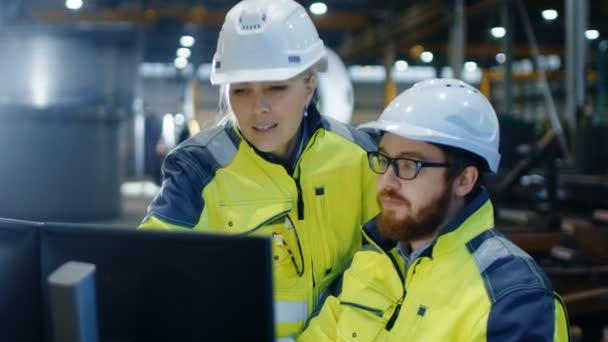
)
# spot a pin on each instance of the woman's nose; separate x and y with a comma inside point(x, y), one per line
point(261, 104)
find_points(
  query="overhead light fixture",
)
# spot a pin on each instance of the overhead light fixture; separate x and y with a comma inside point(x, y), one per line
point(318, 8)
point(183, 52)
point(549, 14)
point(426, 56)
point(470, 66)
point(498, 32)
point(73, 4)
point(179, 119)
point(186, 41)
point(501, 58)
point(592, 34)
point(401, 65)
point(180, 62)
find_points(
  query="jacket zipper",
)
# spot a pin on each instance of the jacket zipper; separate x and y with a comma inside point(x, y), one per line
point(300, 200)
point(393, 319)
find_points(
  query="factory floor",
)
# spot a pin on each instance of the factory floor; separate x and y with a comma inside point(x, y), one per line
point(135, 198)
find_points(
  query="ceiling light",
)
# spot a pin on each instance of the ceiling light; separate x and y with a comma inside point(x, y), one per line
point(592, 34)
point(501, 58)
point(401, 65)
point(186, 41)
point(549, 14)
point(426, 56)
point(318, 8)
point(183, 52)
point(498, 32)
point(180, 62)
point(73, 4)
point(470, 66)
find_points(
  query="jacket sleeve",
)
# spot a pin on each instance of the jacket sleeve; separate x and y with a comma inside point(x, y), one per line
point(179, 203)
point(324, 326)
point(524, 315)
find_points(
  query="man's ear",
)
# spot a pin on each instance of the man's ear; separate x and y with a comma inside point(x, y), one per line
point(465, 181)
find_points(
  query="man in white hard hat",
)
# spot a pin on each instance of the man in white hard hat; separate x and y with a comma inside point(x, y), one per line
point(435, 268)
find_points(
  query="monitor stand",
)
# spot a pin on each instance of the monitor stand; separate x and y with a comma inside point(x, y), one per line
point(73, 304)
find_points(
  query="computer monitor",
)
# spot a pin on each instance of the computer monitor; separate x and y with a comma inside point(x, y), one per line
point(158, 286)
point(20, 295)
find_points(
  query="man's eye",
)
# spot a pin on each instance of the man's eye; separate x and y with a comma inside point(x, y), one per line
point(382, 161)
point(407, 165)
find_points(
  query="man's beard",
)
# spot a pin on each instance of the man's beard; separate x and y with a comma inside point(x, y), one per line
point(423, 225)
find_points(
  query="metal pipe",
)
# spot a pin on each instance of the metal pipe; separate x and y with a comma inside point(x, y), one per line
point(542, 82)
point(390, 87)
point(139, 126)
point(576, 23)
point(507, 45)
point(457, 38)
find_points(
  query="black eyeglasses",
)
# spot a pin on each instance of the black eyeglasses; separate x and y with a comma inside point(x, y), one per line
point(404, 168)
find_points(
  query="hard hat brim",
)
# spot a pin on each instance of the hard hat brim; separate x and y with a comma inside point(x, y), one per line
point(432, 136)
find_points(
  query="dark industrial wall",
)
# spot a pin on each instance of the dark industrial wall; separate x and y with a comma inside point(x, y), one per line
point(63, 97)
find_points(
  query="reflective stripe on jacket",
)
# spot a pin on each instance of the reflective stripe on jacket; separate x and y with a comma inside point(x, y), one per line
point(471, 284)
point(217, 182)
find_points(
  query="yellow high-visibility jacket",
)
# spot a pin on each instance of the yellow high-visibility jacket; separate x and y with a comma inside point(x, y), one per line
point(217, 182)
point(470, 284)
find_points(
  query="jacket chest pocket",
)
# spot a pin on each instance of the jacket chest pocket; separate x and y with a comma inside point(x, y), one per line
point(365, 312)
point(270, 219)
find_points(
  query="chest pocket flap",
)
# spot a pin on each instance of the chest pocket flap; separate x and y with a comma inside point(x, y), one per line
point(248, 217)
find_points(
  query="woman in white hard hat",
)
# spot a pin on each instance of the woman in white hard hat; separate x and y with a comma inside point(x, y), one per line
point(277, 168)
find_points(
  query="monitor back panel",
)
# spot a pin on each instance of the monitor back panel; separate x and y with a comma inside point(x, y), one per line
point(20, 295)
point(155, 286)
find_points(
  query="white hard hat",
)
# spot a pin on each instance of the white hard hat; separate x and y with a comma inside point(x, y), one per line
point(446, 112)
point(266, 40)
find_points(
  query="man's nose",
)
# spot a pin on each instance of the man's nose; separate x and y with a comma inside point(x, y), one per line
point(389, 179)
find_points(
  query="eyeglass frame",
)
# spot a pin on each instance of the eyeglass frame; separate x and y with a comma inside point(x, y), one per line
point(393, 162)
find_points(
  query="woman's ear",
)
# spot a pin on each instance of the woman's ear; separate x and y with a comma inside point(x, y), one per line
point(311, 85)
point(465, 181)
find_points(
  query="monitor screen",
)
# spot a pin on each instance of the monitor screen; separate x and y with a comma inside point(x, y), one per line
point(20, 295)
point(157, 286)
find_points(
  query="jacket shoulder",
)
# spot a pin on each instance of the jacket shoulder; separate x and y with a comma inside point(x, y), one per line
point(349, 132)
point(209, 150)
point(496, 257)
point(187, 170)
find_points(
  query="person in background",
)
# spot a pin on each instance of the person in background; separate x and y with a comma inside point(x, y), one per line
point(275, 166)
point(435, 268)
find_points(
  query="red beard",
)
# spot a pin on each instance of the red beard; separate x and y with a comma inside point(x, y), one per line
point(411, 228)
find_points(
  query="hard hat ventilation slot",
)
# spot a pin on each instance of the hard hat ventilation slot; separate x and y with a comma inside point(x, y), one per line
point(252, 20)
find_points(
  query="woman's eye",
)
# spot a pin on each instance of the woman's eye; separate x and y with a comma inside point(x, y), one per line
point(239, 91)
point(278, 88)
